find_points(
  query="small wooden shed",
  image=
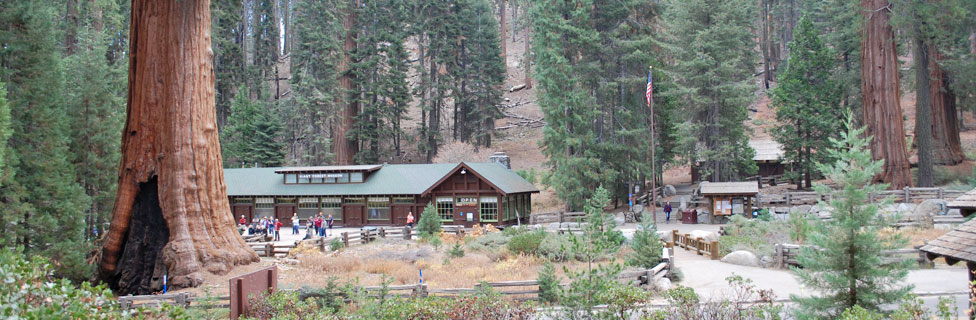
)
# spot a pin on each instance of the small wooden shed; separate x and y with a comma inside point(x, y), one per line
point(959, 245)
point(728, 198)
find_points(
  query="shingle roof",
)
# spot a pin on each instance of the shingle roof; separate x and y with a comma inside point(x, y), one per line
point(766, 150)
point(957, 245)
point(966, 202)
point(367, 168)
point(719, 188)
point(391, 179)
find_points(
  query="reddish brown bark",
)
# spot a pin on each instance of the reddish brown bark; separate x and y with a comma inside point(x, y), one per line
point(947, 148)
point(171, 209)
point(345, 148)
point(879, 83)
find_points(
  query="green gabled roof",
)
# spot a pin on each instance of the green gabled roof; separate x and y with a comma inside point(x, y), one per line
point(391, 179)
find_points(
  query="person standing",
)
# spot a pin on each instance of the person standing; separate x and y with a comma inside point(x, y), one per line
point(243, 220)
point(410, 219)
point(330, 225)
point(277, 230)
point(667, 212)
point(294, 223)
point(319, 225)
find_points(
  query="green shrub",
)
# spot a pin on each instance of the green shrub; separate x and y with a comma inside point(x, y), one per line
point(646, 244)
point(799, 226)
point(489, 242)
point(526, 243)
point(548, 284)
point(30, 291)
point(764, 215)
point(430, 223)
point(456, 251)
point(754, 235)
point(556, 247)
point(858, 313)
point(336, 245)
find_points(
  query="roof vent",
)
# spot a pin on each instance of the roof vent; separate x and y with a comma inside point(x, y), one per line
point(502, 159)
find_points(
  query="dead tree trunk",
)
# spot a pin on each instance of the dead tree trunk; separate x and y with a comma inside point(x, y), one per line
point(879, 84)
point(947, 147)
point(345, 148)
point(171, 208)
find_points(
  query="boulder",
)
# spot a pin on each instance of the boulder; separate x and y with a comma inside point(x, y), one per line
point(662, 284)
point(804, 209)
point(620, 220)
point(553, 226)
point(766, 261)
point(705, 235)
point(742, 258)
point(663, 235)
point(931, 207)
point(669, 190)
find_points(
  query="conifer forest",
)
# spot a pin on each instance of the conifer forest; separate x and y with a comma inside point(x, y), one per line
point(121, 122)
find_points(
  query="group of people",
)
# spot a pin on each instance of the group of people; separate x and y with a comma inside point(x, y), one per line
point(320, 225)
point(266, 225)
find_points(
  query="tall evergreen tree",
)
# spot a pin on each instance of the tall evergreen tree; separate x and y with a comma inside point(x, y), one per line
point(711, 44)
point(380, 70)
point(5, 130)
point(480, 74)
point(807, 101)
point(840, 23)
point(42, 202)
point(845, 262)
point(316, 98)
point(96, 106)
point(227, 34)
point(251, 135)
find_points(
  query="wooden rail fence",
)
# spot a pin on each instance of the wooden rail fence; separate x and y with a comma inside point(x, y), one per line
point(701, 246)
point(557, 217)
point(182, 299)
point(905, 195)
point(786, 255)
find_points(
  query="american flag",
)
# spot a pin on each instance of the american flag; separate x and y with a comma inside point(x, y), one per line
point(650, 89)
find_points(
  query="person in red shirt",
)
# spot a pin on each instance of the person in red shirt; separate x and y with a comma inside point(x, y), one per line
point(318, 224)
point(277, 230)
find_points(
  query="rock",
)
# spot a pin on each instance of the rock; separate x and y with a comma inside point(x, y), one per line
point(553, 226)
point(804, 209)
point(662, 284)
point(930, 207)
point(742, 258)
point(766, 261)
point(664, 235)
point(669, 190)
point(705, 235)
point(619, 220)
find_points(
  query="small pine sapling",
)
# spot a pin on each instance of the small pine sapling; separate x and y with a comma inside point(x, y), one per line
point(646, 245)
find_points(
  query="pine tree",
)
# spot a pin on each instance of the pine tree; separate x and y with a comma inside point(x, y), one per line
point(587, 285)
point(480, 75)
point(646, 245)
point(436, 27)
point(316, 98)
point(42, 202)
point(430, 223)
point(5, 132)
point(712, 46)
point(251, 137)
point(807, 101)
point(845, 263)
point(840, 23)
point(265, 149)
point(96, 106)
point(227, 36)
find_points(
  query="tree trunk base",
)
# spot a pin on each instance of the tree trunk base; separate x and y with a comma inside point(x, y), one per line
point(143, 246)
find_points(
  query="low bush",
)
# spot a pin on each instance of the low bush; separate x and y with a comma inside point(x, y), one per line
point(548, 284)
point(335, 245)
point(756, 236)
point(526, 243)
point(556, 247)
point(489, 242)
point(430, 223)
point(30, 291)
point(456, 251)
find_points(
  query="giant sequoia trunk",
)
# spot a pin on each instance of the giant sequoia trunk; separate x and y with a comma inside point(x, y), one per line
point(879, 84)
point(345, 148)
point(171, 213)
point(947, 148)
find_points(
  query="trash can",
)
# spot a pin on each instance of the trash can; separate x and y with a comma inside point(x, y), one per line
point(689, 216)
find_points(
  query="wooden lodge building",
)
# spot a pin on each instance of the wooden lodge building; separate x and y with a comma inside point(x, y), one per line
point(382, 195)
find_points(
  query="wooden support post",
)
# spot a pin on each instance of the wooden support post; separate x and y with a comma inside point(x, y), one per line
point(779, 256)
point(714, 250)
point(559, 217)
point(382, 232)
point(321, 242)
point(674, 237)
point(908, 195)
point(269, 249)
point(345, 239)
point(789, 199)
point(871, 197)
point(698, 248)
point(941, 193)
point(406, 233)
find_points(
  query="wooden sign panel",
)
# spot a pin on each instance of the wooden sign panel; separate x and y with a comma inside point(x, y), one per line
point(251, 285)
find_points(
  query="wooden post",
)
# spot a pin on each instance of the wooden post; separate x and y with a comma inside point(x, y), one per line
point(559, 217)
point(345, 239)
point(674, 236)
point(698, 242)
point(779, 256)
point(269, 249)
point(321, 242)
point(908, 195)
point(789, 199)
point(382, 232)
point(714, 250)
point(406, 233)
point(941, 193)
point(871, 197)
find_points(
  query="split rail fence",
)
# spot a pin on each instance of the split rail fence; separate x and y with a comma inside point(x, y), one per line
point(905, 195)
point(364, 236)
point(786, 255)
point(701, 246)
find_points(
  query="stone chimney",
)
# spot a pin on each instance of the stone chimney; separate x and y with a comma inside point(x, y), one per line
point(502, 159)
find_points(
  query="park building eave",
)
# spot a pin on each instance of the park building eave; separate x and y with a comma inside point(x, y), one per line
point(960, 243)
point(728, 188)
point(389, 179)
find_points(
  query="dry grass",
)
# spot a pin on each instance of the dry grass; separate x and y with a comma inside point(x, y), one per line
point(918, 237)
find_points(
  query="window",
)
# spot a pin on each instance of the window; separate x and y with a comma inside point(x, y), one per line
point(356, 177)
point(489, 209)
point(351, 200)
point(243, 200)
point(286, 200)
point(304, 178)
point(332, 206)
point(403, 200)
point(307, 207)
point(263, 207)
point(343, 178)
point(378, 208)
point(445, 208)
point(291, 178)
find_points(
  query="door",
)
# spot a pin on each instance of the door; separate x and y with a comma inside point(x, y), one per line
point(400, 215)
point(245, 211)
point(352, 215)
point(284, 212)
point(466, 210)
